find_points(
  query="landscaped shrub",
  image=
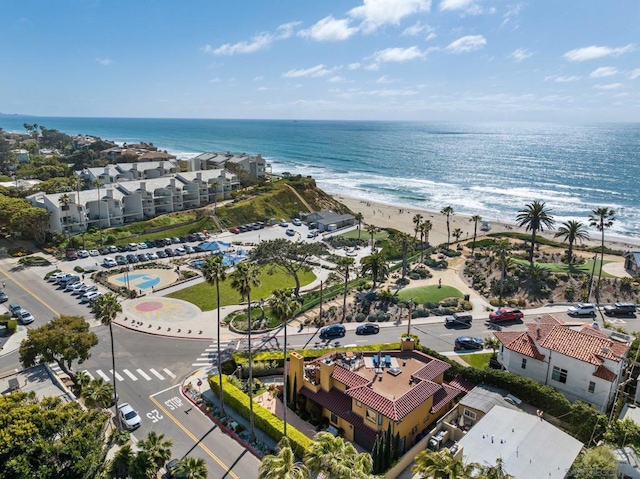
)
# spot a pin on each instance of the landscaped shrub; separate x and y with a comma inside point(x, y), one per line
point(34, 261)
point(403, 281)
point(414, 276)
point(451, 253)
point(360, 317)
point(420, 313)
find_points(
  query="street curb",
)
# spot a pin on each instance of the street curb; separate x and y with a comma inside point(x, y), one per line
point(153, 333)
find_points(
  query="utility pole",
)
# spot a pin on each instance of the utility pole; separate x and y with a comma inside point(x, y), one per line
point(410, 305)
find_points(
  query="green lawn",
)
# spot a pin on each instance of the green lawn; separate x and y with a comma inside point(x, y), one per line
point(204, 296)
point(477, 360)
point(364, 235)
point(584, 268)
point(430, 293)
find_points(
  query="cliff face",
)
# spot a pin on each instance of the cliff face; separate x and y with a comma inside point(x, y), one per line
point(318, 198)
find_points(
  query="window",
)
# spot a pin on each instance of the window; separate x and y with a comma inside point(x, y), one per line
point(524, 363)
point(371, 415)
point(470, 414)
point(426, 419)
point(592, 386)
point(334, 418)
point(559, 375)
point(379, 419)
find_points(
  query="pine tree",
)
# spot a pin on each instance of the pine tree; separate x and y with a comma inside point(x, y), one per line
point(388, 450)
point(396, 447)
point(294, 393)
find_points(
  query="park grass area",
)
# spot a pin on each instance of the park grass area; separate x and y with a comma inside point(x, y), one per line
point(203, 295)
point(477, 360)
point(579, 269)
point(430, 294)
point(380, 235)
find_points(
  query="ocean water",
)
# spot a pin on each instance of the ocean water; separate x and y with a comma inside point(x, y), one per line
point(491, 169)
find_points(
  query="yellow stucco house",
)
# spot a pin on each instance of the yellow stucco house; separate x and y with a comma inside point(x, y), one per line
point(363, 393)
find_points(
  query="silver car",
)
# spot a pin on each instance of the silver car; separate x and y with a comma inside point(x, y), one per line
point(129, 416)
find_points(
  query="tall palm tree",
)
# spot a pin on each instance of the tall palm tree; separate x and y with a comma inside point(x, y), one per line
point(500, 249)
point(441, 465)
point(448, 211)
point(106, 308)
point(157, 448)
point(143, 467)
point(192, 468)
point(345, 264)
point(476, 219)
point(98, 183)
point(425, 228)
point(359, 217)
point(245, 277)
point(602, 218)
point(336, 459)
point(372, 230)
point(121, 463)
point(375, 264)
point(404, 242)
point(98, 393)
point(282, 466)
point(214, 271)
point(417, 221)
point(457, 233)
point(65, 201)
point(284, 304)
point(535, 217)
point(571, 231)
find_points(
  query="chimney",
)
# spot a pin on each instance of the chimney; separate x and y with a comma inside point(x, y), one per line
point(199, 176)
point(134, 166)
point(110, 193)
point(143, 185)
point(172, 182)
point(106, 170)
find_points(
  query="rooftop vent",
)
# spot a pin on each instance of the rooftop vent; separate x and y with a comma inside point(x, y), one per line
point(394, 371)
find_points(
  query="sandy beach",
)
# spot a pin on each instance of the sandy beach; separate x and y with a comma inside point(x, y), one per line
point(401, 218)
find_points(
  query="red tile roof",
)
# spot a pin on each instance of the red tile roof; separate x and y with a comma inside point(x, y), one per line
point(520, 343)
point(461, 383)
point(443, 396)
point(334, 400)
point(585, 347)
point(432, 370)
point(348, 378)
point(605, 373)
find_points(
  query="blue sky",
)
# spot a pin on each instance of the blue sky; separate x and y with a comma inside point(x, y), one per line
point(300, 59)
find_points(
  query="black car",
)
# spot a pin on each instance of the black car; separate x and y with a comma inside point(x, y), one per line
point(192, 237)
point(169, 252)
point(132, 258)
point(620, 309)
point(105, 251)
point(333, 331)
point(121, 260)
point(468, 342)
point(150, 243)
point(122, 248)
point(159, 243)
point(143, 257)
point(161, 254)
point(3, 297)
point(368, 328)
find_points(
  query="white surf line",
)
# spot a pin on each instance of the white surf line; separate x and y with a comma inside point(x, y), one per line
point(102, 375)
point(169, 373)
point(156, 373)
point(130, 374)
point(143, 374)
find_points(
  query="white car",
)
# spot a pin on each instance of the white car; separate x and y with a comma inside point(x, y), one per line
point(87, 288)
point(74, 288)
point(88, 297)
point(55, 276)
point(109, 262)
point(152, 256)
point(582, 309)
point(129, 416)
point(296, 222)
point(25, 317)
point(83, 253)
point(94, 252)
point(180, 251)
point(142, 246)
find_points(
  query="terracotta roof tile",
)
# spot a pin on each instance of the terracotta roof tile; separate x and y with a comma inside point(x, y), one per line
point(461, 383)
point(432, 370)
point(605, 373)
point(348, 378)
point(520, 343)
point(582, 346)
point(334, 400)
point(443, 396)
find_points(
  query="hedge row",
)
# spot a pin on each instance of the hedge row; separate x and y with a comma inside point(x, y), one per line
point(270, 424)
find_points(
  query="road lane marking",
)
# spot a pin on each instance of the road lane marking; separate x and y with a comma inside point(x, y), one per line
point(165, 390)
point(169, 373)
point(195, 439)
point(156, 373)
point(102, 375)
point(118, 377)
point(130, 374)
point(15, 281)
point(143, 374)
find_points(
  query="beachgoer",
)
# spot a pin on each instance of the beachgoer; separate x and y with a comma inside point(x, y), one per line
point(440, 283)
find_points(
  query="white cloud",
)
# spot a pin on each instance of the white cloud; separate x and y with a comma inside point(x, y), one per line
point(431, 36)
point(455, 4)
point(609, 86)
point(215, 80)
point(635, 73)
point(595, 51)
point(261, 88)
point(603, 72)
point(286, 30)
point(258, 78)
point(353, 66)
point(373, 67)
point(257, 43)
point(414, 29)
point(329, 29)
point(469, 43)
point(313, 72)
point(397, 55)
point(336, 79)
point(520, 54)
point(389, 93)
point(105, 62)
point(376, 13)
point(561, 79)
point(384, 79)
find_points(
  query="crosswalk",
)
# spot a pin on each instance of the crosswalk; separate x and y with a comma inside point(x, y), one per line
point(135, 375)
point(209, 357)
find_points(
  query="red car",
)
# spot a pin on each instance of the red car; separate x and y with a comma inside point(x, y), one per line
point(506, 314)
point(234, 230)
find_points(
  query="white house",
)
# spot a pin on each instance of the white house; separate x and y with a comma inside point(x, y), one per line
point(580, 361)
point(131, 171)
point(255, 165)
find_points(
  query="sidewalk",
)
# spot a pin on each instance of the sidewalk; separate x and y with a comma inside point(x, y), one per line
point(13, 342)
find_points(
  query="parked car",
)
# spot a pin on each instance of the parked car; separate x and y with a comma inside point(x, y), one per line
point(179, 251)
point(87, 288)
point(620, 309)
point(161, 254)
point(88, 297)
point(70, 286)
point(582, 309)
point(458, 319)
point(192, 237)
point(143, 257)
point(132, 247)
point(94, 252)
point(296, 222)
point(14, 309)
point(201, 236)
point(142, 246)
point(129, 416)
point(312, 234)
point(105, 251)
point(25, 317)
point(333, 331)
point(368, 328)
point(152, 256)
point(313, 226)
point(132, 258)
point(109, 262)
point(112, 249)
point(283, 223)
point(83, 253)
point(291, 232)
point(121, 260)
point(71, 254)
point(54, 277)
point(468, 342)
point(189, 249)
point(169, 252)
point(68, 279)
point(506, 314)
point(3, 297)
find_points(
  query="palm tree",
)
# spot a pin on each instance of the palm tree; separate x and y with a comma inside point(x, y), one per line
point(493, 472)
point(403, 241)
point(157, 448)
point(336, 459)
point(602, 218)
point(375, 264)
point(457, 233)
point(345, 264)
point(284, 304)
point(192, 468)
point(98, 183)
point(282, 466)
point(65, 201)
point(243, 279)
point(214, 271)
point(106, 308)
point(121, 463)
point(535, 216)
point(500, 249)
point(571, 231)
point(143, 467)
point(372, 230)
point(417, 221)
point(98, 393)
point(492, 343)
point(441, 465)
point(476, 219)
point(425, 227)
point(448, 211)
point(359, 217)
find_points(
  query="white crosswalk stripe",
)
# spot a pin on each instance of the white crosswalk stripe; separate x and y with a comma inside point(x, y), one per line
point(107, 376)
point(143, 374)
point(130, 374)
point(89, 374)
point(102, 375)
point(210, 355)
point(156, 374)
point(169, 373)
